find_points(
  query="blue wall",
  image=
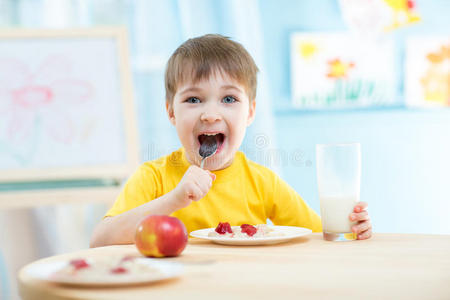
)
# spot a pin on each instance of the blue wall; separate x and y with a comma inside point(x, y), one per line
point(405, 152)
point(406, 159)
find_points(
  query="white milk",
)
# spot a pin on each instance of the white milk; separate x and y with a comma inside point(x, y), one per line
point(335, 213)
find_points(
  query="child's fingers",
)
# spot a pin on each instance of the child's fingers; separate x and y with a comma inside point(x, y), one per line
point(361, 227)
point(362, 216)
point(195, 193)
point(213, 176)
point(203, 184)
point(204, 178)
point(365, 235)
point(360, 206)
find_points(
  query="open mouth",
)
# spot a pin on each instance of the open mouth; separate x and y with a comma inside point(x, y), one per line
point(219, 138)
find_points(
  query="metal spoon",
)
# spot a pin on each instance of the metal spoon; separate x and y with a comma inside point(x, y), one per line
point(207, 149)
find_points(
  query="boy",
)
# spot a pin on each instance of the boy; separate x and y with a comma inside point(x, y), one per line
point(210, 95)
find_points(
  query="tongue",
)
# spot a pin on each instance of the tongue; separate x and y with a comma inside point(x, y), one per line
point(208, 146)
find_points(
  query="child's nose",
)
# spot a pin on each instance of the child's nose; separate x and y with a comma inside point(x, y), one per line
point(210, 116)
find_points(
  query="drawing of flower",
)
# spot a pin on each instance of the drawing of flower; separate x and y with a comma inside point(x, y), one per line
point(436, 80)
point(339, 69)
point(403, 13)
point(45, 95)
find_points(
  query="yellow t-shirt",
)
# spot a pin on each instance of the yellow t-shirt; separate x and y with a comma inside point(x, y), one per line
point(244, 192)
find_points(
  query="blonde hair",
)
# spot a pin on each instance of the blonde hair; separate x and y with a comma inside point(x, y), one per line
point(198, 58)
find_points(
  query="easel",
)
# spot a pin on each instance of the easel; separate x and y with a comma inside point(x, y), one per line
point(113, 173)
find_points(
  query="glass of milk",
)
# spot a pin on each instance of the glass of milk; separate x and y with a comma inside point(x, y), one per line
point(338, 178)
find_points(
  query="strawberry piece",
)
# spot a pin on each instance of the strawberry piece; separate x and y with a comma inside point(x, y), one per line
point(223, 228)
point(248, 229)
point(79, 264)
point(119, 270)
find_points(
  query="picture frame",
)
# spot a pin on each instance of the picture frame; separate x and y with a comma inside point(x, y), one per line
point(427, 71)
point(339, 71)
point(66, 93)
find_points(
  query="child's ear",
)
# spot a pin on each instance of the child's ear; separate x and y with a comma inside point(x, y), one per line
point(251, 112)
point(170, 114)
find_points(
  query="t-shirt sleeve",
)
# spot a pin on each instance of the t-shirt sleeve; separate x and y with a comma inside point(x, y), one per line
point(289, 209)
point(140, 188)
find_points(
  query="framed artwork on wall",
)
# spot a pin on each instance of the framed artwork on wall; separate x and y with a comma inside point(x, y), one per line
point(72, 98)
point(427, 71)
point(336, 71)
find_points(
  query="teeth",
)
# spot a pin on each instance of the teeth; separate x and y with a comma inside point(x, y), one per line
point(210, 134)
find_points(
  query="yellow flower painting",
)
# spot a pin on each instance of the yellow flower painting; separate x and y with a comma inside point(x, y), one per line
point(336, 70)
point(339, 69)
point(403, 13)
point(428, 72)
point(374, 17)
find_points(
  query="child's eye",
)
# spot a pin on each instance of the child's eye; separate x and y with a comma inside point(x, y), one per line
point(193, 100)
point(229, 99)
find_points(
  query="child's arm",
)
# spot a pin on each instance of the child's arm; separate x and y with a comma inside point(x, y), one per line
point(120, 229)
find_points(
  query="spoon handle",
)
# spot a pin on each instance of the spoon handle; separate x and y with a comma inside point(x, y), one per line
point(202, 163)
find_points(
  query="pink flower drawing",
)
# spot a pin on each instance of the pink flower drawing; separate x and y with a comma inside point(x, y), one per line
point(46, 94)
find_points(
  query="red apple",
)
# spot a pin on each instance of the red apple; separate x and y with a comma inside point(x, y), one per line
point(160, 236)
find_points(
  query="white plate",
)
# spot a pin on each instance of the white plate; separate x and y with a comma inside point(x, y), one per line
point(289, 233)
point(46, 271)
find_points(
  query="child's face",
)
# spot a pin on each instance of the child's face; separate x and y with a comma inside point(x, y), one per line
point(220, 106)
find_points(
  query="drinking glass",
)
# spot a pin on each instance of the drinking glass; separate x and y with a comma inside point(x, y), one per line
point(338, 178)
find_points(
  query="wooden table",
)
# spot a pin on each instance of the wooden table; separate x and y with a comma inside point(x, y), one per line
point(388, 266)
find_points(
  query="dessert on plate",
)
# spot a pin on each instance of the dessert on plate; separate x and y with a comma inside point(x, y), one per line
point(108, 267)
point(243, 231)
